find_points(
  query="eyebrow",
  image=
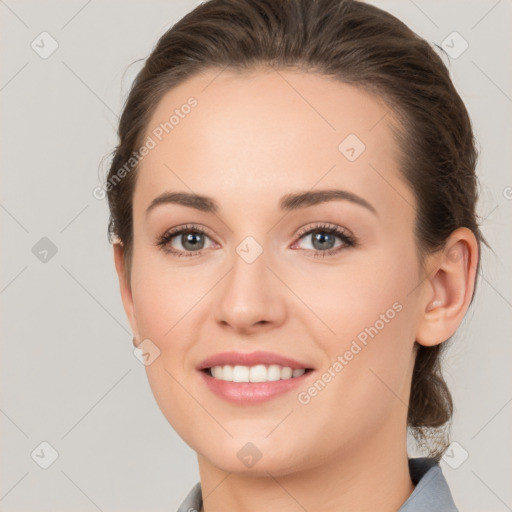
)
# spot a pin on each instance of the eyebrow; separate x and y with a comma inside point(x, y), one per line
point(288, 202)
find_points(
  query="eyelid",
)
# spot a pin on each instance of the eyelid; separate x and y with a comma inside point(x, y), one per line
point(187, 227)
point(324, 225)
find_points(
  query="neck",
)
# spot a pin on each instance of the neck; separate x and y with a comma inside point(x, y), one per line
point(373, 476)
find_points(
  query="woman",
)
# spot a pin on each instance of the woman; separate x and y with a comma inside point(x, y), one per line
point(257, 132)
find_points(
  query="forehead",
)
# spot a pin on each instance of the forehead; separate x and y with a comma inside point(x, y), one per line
point(268, 130)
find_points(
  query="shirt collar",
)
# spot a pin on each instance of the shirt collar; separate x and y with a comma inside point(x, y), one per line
point(431, 493)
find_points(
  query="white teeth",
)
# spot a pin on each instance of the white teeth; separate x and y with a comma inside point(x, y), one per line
point(225, 372)
point(258, 373)
point(273, 372)
point(287, 373)
point(240, 374)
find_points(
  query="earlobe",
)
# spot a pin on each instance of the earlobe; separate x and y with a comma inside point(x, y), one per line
point(449, 288)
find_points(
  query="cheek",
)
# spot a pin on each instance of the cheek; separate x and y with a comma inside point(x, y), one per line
point(163, 294)
point(365, 381)
point(371, 325)
point(348, 299)
point(162, 302)
point(167, 301)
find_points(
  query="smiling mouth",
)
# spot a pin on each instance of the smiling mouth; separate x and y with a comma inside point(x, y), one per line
point(257, 373)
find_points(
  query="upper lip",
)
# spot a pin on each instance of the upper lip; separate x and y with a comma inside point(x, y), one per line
point(249, 359)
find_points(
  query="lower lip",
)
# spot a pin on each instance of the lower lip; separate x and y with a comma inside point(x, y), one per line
point(251, 392)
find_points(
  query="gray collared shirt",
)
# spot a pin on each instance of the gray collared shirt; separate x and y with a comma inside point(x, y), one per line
point(431, 493)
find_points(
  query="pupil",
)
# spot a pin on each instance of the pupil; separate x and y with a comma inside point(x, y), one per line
point(189, 239)
point(321, 237)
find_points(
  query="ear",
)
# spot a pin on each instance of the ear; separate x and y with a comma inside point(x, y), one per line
point(448, 288)
point(125, 288)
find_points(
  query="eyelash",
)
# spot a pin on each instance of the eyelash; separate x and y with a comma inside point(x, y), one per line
point(347, 239)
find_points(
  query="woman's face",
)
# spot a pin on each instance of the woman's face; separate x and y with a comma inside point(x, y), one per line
point(266, 274)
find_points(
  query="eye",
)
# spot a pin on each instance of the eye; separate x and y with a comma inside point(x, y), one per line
point(323, 239)
point(190, 237)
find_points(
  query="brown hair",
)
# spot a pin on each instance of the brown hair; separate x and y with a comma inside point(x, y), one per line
point(358, 44)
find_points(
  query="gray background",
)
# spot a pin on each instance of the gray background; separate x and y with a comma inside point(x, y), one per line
point(68, 374)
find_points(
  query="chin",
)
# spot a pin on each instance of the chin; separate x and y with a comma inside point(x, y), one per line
point(245, 457)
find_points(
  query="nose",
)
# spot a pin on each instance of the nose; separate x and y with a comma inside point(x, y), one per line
point(251, 296)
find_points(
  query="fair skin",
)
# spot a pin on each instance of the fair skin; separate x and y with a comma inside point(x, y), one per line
point(251, 140)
